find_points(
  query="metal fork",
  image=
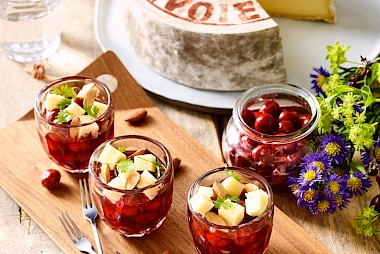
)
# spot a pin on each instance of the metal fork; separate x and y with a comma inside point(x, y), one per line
point(76, 236)
point(89, 210)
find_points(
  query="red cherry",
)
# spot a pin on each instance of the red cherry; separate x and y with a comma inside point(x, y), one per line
point(261, 153)
point(248, 116)
point(289, 115)
point(78, 101)
point(271, 107)
point(50, 179)
point(285, 127)
point(304, 119)
point(265, 123)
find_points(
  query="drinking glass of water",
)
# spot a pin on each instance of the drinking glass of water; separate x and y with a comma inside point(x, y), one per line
point(30, 29)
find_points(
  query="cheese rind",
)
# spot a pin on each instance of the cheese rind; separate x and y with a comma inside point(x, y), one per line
point(207, 55)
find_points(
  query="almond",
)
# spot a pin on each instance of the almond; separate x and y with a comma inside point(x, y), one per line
point(74, 130)
point(214, 218)
point(138, 152)
point(90, 96)
point(105, 172)
point(176, 164)
point(219, 189)
point(132, 180)
point(135, 115)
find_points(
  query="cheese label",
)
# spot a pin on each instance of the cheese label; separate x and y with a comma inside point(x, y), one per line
point(213, 12)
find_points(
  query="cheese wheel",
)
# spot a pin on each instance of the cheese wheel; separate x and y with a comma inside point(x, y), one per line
point(225, 45)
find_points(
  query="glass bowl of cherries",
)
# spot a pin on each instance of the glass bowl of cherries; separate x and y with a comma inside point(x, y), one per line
point(270, 131)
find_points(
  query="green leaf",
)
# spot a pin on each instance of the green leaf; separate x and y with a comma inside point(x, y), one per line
point(231, 173)
point(336, 56)
point(222, 202)
point(63, 116)
point(64, 103)
point(121, 149)
point(368, 96)
point(64, 90)
point(91, 111)
point(233, 198)
point(346, 89)
point(125, 165)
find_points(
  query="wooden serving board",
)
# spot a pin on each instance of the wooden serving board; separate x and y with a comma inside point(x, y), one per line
point(23, 160)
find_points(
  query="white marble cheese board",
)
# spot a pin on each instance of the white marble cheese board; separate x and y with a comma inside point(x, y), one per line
point(304, 45)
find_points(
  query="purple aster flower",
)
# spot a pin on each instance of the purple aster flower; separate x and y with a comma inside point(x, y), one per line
point(357, 183)
point(307, 198)
point(358, 109)
point(325, 204)
point(293, 184)
point(333, 184)
point(342, 199)
point(309, 176)
point(319, 79)
point(335, 147)
point(371, 158)
point(318, 159)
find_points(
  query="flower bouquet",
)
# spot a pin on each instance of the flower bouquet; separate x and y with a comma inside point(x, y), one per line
point(347, 148)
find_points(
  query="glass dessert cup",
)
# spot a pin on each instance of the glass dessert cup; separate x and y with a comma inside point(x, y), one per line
point(274, 156)
point(71, 151)
point(136, 212)
point(250, 236)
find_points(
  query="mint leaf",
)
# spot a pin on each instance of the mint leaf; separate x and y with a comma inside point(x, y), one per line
point(222, 202)
point(125, 165)
point(63, 116)
point(233, 198)
point(91, 111)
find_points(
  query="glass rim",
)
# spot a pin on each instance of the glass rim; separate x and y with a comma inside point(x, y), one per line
point(240, 226)
point(37, 100)
point(279, 88)
point(168, 168)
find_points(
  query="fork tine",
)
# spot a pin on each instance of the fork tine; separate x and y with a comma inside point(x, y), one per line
point(88, 196)
point(63, 222)
point(74, 227)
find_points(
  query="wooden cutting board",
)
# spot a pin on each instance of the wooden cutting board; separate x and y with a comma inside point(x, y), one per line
point(23, 160)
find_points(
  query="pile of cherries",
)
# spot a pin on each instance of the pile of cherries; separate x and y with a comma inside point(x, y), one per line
point(272, 119)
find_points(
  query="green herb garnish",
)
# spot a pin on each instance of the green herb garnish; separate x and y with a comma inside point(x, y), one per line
point(158, 166)
point(63, 116)
point(64, 103)
point(233, 198)
point(65, 91)
point(222, 202)
point(125, 165)
point(121, 149)
point(91, 111)
point(231, 173)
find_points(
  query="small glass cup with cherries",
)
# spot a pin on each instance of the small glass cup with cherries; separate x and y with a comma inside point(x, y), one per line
point(74, 115)
point(131, 183)
point(230, 210)
point(270, 131)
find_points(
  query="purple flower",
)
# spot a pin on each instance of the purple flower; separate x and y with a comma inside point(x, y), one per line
point(342, 199)
point(371, 158)
point(309, 176)
point(335, 147)
point(318, 159)
point(357, 183)
point(325, 204)
point(307, 198)
point(333, 184)
point(319, 79)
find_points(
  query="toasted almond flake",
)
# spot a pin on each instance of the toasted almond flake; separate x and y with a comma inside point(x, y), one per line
point(105, 172)
point(74, 130)
point(132, 181)
point(219, 189)
point(138, 152)
point(214, 218)
point(90, 96)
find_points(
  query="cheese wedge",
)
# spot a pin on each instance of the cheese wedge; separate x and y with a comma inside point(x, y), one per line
point(233, 215)
point(145, 162)
point(75, 110)
point(146, 179)
point(232, 186)
point(256, 202)
point(87, 129)
point(52, 101)
point(200, 203)
point(110, 155)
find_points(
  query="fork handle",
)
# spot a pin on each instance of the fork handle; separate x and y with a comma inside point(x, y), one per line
point(97, 239)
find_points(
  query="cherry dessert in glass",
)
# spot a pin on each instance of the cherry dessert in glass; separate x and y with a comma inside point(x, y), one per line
point(74, 116)
point(131, 182)
point(230, 210)
point(270, 131)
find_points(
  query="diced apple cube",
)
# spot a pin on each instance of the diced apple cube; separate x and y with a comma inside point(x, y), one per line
point(52, 101)
point(75, 110)
point(232, 215)
point(116, 183)
point(256, 202)
point(86, 88)
point(207, 191)
point(214, 218)
point(152, 192)
point(101, 106)
point(87, 129)
point(110, 155)
point(200, 203)
point(232, 186)
point(251, 187)
point(145, 162)
point(146, 179)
